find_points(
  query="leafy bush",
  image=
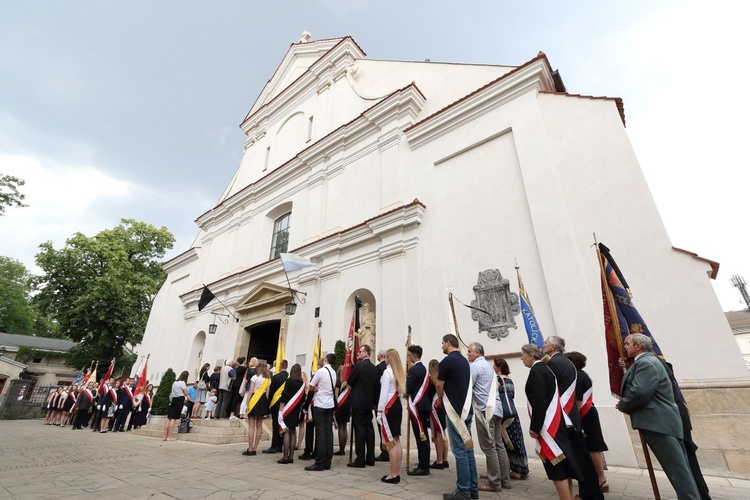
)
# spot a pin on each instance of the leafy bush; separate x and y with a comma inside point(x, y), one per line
point(160, 403)
point(340, 351)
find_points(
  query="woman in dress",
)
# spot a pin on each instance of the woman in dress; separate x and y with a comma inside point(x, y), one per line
point(252, 367)
point(303, 414)
point(143, 408)
point(392, 386)
point(342, 415)
point(549, 432)
point(437, 421)
point(179, 397)
point(109, 406)
point(257, 406)
point(513, 434)
point(52, 407)
point(68, 404)
point(592, 429)
point(200, 395)
point(290, 408)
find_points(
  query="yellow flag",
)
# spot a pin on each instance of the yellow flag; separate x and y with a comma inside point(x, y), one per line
point(280, 352)
point(316, 355)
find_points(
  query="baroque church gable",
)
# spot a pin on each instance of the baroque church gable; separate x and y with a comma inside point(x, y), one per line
point(263, 295)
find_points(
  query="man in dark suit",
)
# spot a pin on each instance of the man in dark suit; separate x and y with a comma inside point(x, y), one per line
point(362, 380)
point(417, 383)
point(648, 398)
point(381, 366)
point(277, 387)
point(125, 399)
point(566, 375)
point(84, 405)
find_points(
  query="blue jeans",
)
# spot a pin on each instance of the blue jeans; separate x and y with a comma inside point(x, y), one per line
point(466, 465)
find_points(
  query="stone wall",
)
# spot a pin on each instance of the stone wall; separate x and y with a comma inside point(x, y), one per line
point(721, 419)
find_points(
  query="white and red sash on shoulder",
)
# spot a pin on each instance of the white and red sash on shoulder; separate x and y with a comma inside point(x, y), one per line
point(385, 429)
point(587, 402)
point(546, 446)
point(414, 402)
point(438, 431)
point(290, 407)
point(113, 393)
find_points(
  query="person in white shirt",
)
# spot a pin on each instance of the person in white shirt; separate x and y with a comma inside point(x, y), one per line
point(322, 384)
point(392, 386)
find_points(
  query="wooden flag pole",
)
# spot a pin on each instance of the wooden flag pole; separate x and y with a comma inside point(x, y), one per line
point(650, 467)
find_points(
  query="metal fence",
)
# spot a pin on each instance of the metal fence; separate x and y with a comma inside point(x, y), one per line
point(25, 399)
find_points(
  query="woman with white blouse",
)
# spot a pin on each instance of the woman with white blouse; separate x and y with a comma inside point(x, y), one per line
point(392, 386)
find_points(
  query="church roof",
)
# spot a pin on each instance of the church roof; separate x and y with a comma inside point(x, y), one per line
point(38, 343)
point(714, 265)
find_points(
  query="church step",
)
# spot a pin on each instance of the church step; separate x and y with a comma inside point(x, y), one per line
point(204, 431)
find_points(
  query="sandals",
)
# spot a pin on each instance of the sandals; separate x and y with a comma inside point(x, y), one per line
point(604, 486)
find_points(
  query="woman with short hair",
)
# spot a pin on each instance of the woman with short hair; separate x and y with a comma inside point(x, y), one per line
point(179, 396)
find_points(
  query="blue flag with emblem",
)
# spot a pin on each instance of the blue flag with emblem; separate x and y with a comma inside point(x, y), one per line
point(529, 320)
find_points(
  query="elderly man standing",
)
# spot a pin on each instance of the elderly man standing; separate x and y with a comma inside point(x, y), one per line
point(489, 420)
point(567, 376)
point(454, 390)
point(648, 398)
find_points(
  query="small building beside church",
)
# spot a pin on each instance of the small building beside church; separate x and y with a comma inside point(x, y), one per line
point(404, 180)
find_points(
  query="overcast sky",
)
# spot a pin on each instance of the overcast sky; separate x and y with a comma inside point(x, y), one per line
point(132, 109)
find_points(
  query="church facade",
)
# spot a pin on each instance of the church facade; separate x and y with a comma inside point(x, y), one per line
point(402, 181)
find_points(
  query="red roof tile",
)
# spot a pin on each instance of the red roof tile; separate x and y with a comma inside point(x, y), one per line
point(714, 265)
point(618, 100)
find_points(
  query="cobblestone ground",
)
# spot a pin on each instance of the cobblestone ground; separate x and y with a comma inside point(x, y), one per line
point(45, 462)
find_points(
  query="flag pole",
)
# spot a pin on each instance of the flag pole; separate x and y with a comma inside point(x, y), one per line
point(408, 420)
point(357, 327)
point(236, 319)
point(650, 467)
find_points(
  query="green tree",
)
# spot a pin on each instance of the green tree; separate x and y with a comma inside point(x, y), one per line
point(16, 314)
point(9, 193)
point(100, 289)
point(160, 404)
point(340, 351)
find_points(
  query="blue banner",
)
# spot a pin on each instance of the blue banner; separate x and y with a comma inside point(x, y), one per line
point(529, 320)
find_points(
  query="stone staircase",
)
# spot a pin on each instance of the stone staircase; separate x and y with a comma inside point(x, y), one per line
point(204, 431)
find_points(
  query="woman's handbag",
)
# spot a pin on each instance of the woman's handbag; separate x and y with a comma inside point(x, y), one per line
point(202, 383)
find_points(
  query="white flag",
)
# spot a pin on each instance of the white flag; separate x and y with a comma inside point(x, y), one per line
point(292, 262)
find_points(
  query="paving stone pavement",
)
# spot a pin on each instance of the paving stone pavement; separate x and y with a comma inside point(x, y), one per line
point(44, 462)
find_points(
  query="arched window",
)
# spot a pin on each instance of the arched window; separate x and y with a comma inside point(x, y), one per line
point(280, 239)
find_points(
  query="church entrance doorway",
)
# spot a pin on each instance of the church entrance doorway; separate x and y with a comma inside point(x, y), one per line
point(264, 340)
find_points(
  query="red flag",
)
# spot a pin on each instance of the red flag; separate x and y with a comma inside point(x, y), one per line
point(352, 347)
point(140, 386)
point(106, 376)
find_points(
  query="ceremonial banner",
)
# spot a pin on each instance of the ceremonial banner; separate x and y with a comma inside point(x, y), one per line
point(621, 318)
point(140, 386)
point(352, 347)
point(280, 351)
point(529, 320)
point(317, 352)
point(106, 376)
point(206, 297)
point(91, 376)
point(79, 377)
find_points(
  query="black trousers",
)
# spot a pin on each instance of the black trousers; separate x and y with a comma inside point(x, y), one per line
point(122, 416)
point(588, 483)
point(423, 447)
point(276, 439)
point(364, 436)
point(82, 416)
point(309, 438)
point(323, 418)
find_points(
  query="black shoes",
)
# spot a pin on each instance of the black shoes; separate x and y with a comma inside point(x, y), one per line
point(393, 480)
point(285, 461)
point(315, 467)
point(305, 456)
point(383, 457)
point(249, 453)
point(272, 450)
point(340, 452)
point(371, 464)
point(418, 472)
point(355, 464)
point(435, 465)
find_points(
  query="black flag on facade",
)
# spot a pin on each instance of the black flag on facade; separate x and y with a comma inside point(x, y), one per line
point(206, 297)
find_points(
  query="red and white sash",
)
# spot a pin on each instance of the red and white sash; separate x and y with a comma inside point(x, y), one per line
point(438, 431)
point(546, 446)
point(129, 391)
point(309, 412)
point(385, 429)
point(89, 396)
point(114, 395)
point(290, 407)
point(587, 402)
point(343, 396)
point(414, 402)
point(567, 400)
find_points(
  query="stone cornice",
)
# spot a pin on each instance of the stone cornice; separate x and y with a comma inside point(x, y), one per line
point(403, 104)
point(183, 259)
point(535, 75)
point(404, 218)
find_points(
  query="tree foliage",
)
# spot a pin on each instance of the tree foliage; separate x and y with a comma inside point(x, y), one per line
point(9, 194)
point(100, 289)
point(16, 314)
point(340, 351)
point(160, 404)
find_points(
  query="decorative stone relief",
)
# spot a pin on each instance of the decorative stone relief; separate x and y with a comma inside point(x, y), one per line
point(493, 295)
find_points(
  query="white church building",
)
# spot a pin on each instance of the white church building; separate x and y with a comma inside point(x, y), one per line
point(404, 180)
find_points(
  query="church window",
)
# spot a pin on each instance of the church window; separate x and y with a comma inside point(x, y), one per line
point(280, 240)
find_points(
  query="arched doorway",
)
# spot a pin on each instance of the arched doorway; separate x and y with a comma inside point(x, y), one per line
point(195, 361)
point(264, 340)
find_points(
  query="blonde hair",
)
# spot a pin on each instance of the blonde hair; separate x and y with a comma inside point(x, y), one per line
point(253, 362)
point(394, 361)
point(433, 370)
point(262, 369)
